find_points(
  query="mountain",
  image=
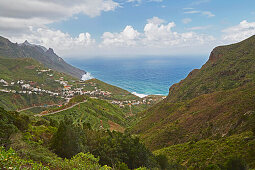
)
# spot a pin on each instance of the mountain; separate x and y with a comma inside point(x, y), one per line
point(228, 67)
point(47, 57)
point(213, 102)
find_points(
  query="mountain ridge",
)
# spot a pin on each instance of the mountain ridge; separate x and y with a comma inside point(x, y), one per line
point(49, 58)
point(228, 67)
point(212, 102)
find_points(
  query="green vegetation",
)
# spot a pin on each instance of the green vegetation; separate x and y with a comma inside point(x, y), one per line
point(14, 69)
point(207, 119)
point(206, 122)
point(16, 101)
point(207, 116)
point(113, 148)
point(93, 111)
point(221, 153)
point(10, 160)
point(36, 143)
point(228, 67)
point(116, 92)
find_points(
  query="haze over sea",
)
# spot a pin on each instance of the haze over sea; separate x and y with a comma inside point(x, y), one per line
point(141, 76)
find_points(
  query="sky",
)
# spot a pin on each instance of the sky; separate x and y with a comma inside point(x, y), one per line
point(127, 28)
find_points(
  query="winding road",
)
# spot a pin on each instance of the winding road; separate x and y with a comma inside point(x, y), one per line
point(35, 107)
point(61, 110)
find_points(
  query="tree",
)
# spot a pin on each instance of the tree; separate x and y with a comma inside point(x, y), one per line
point(67, 141)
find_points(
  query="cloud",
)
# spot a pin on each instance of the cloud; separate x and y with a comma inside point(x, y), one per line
point(157, 38)
point(37, 13)
point(192, 12)
point(156, 20)
point(61, 42)
point(127, 37)
point(208, 13)
point(140, 1)
point(205, 13)
point(239, 32)
point(186, 20)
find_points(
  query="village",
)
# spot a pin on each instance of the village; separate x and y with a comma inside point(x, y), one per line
point(68, 90)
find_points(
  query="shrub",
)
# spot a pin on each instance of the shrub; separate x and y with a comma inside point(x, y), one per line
point(235, 163)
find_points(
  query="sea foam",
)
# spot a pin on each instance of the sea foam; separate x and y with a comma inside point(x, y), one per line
point(87, 76)
point(139, 95)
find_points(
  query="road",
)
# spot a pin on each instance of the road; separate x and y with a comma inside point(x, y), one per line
point(61, 110)
point(35, 107)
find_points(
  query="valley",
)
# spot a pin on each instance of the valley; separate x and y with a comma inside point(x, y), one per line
point(57, 121)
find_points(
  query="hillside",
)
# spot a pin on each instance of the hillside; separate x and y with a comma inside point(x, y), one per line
point(116, 92)
point(213, 103)
point(25, 82)
point(228, 67)
point(212, 115)
point(46, 57)
point(213, 154)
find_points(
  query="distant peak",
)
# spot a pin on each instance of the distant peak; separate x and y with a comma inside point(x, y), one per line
point(50, 51)
point(27, 43)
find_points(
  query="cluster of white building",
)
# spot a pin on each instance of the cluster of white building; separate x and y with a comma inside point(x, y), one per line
point(26, 88)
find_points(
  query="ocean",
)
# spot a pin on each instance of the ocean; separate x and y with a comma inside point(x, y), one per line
point(141, 76)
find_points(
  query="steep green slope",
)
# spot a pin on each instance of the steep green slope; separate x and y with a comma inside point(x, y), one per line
point(20, 101)
point(14, 69)
point(213, 153)
point(216, 101)
point(228, 67)
point(47, 57)
point(207, 116)
point(93, 111)
point(116, 92)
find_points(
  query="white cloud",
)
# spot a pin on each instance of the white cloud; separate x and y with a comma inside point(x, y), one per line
point(186, 20)
point(18, 15)
point(156, 20)
point(208, 13)
point(127, 37)
point(61, 42)
point(192, 11)
point(157, 38)
point(239, 32)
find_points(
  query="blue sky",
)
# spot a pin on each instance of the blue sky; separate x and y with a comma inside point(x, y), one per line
point(128, 28)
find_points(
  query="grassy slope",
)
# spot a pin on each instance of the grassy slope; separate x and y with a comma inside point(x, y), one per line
point(117, 93)
point(11, 101)
point(25, 69)
point(92, 112)
point(228, 67)
point(215, 100)
point(216, 114)
point(214, 106)
point(199, 155)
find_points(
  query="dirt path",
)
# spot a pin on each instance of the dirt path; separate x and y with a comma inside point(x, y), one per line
point(60, 110)
point(35, 107)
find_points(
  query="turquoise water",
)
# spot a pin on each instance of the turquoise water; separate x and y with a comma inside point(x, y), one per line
point(148, 75)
